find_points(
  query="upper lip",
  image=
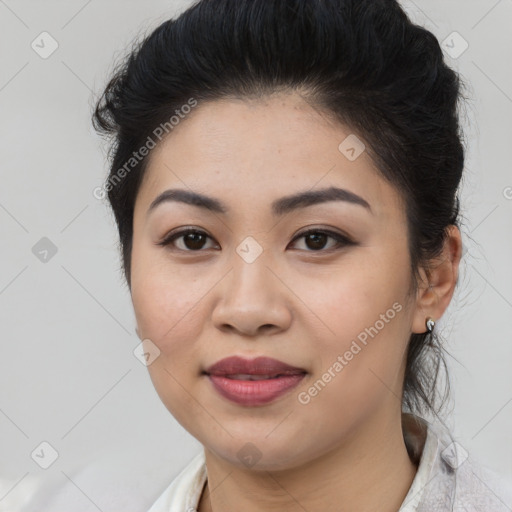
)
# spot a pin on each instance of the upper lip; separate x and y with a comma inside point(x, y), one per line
point(258, 366)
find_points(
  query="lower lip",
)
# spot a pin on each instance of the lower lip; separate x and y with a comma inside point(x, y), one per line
point(254, 392)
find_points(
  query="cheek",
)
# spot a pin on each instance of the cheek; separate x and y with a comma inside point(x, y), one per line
point(364, 320)
point(166, 300)
point(351, 296)
point(168, 309)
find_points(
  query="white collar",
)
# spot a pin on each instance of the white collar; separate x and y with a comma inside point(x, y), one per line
point(446, 476)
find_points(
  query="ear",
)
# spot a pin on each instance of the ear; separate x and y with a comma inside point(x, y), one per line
point(436, 289)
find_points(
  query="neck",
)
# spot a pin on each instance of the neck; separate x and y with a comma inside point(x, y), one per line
point(370, 472)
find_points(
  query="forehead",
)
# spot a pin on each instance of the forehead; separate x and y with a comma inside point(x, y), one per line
point(250, 152)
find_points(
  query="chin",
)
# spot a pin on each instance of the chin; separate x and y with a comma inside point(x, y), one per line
point(259, 453)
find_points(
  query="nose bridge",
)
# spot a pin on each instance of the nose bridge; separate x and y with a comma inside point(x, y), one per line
point(251, 274)
point(251, 295)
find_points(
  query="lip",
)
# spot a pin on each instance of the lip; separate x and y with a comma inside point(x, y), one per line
point(253, 392)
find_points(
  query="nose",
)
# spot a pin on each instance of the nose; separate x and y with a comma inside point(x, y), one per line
point(252, 299)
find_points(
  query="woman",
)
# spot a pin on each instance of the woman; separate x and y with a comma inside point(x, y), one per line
point(284, 178)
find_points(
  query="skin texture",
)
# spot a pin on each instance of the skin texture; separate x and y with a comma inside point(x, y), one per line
point(293, 303)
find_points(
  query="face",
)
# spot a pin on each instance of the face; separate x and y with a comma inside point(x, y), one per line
point(320, 284)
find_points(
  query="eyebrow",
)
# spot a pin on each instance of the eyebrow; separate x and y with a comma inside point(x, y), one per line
point(279, 207)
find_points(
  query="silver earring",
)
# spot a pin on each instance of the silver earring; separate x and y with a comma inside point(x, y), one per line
point(430, 324)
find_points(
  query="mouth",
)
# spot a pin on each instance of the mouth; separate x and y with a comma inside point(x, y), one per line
point(241, 376)
point(266, 367)
point(253, 382)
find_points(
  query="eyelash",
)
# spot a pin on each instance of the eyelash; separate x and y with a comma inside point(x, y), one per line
point(341, 240)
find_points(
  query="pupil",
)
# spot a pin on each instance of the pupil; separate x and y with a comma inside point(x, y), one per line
point(317, 244)
point(193, 238)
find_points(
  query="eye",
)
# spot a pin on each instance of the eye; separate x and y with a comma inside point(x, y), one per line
point(193, 240)
point(316, 239)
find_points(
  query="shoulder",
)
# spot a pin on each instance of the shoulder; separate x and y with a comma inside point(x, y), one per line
point(480, 489)
point(185, 490)
point(472, 486)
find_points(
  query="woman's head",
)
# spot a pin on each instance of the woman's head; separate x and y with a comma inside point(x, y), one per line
point(249, 102)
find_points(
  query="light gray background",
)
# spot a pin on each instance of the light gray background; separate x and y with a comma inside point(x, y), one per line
point(68, 375)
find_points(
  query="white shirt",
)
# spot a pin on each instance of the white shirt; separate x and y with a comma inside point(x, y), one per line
point(447, 479)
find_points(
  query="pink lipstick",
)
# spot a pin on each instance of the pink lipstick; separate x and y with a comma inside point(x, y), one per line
point(252, 382)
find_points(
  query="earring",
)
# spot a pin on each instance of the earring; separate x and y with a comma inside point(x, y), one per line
point(430, 324)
